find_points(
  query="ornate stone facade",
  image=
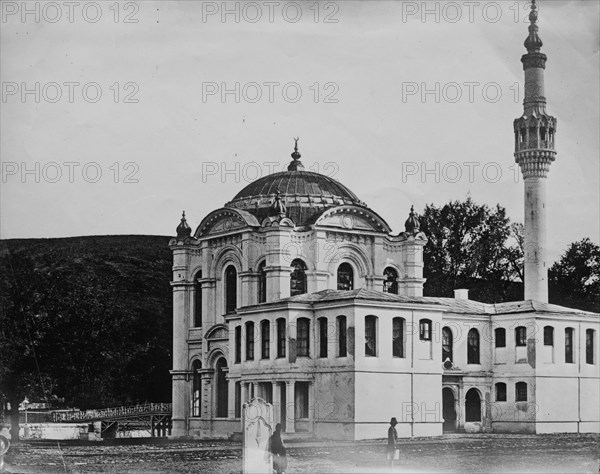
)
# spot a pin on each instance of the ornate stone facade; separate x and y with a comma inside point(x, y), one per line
point(298, 293)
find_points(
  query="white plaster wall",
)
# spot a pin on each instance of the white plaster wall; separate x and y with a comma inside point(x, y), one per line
point(52, 430)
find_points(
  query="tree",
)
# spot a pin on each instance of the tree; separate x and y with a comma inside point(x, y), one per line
point(574, 280)
point(472, 246)
point(23, 327)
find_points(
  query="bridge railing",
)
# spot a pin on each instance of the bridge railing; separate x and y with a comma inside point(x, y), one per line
point(107, 413)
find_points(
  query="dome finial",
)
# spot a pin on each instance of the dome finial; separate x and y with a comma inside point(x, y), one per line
point(183, 229)
point(412, 224)
point(296, 155)
point(296, 165)
point(533, 43)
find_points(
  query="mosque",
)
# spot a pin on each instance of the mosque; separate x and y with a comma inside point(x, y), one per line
point(297, 292)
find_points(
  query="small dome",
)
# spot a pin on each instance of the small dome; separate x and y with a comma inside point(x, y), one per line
point(183, 229)
point(412, 224)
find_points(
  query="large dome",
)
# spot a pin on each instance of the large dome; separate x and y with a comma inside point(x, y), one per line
point(305, 194)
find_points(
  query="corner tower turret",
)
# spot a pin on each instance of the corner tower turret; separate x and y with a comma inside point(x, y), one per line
point(534, 152)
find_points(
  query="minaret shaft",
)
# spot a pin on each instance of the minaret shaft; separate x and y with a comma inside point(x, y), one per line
point(534, 152)
point(534, 245)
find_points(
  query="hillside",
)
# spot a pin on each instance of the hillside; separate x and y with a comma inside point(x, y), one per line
point(87, 320)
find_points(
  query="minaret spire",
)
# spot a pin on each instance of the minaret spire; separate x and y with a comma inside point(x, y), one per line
point(534, 152)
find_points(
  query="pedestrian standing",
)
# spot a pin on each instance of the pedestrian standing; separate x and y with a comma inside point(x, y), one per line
point(392, 450)
point(278, 451)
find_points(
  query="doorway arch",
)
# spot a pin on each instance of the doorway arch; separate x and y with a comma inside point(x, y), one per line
point(473, 405)
point(448, 410)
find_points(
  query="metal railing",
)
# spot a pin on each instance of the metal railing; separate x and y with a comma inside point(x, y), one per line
point(108, 413)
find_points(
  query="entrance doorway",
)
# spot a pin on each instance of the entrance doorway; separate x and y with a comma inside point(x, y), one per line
point(448, 410)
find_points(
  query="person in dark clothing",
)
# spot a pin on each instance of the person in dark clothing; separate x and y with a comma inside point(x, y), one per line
point(392, 443)
point(278, 451)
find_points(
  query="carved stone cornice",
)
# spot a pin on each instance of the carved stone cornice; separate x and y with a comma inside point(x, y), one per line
point(530, 60)
point(535, 163)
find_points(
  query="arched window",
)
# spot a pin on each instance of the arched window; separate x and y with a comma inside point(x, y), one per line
point(230, 289)
point(521, 336)
point(425, 329)
point(473, 347)
point(281, 337)
point(342, 336)
point(371, 336)
point(303, 337)
point(196, 389)
point(198, 300)
point(298, 278)
point(222, 387)
point(500, 337)
point(265, 339)
point(345, 277)
point(446, 344)
point(249, 340)
point(569, 359)
point(322, 337)
point(262, 282)
point(500, 392)
point(589, 346)
point(238, 344)
point(548, 336)
point(390, 284)
point(398, 337)
point(473, 406)
point(520, 392)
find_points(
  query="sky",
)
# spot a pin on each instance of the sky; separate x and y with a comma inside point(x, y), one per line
point(115, 117)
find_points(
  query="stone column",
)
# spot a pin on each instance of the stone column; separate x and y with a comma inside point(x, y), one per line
point(248, 290)
point(412, 281)
point(244, 397)
point(290, 409)
point(231, 398)
point(208, 286)
point(255, 390)
point(316, 280)
point(278, 282)
point(311, 408)
point(180, 351)
point(277, 388)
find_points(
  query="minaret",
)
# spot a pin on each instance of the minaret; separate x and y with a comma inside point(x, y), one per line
point(534, 151)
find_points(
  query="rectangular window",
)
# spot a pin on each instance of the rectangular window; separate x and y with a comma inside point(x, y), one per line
point(371, 336)
point(569, 345)
point(398, 337)
point(589, 346)
point(548, 336)
point(303, 341)
point(249, 341)
point(425, 330)
point(342, 336)
point(238, 344)
point(500, 392)
point(281, 337)
point(521, 336)
point(265, 333)
point(500, 334)
point(322, 337)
